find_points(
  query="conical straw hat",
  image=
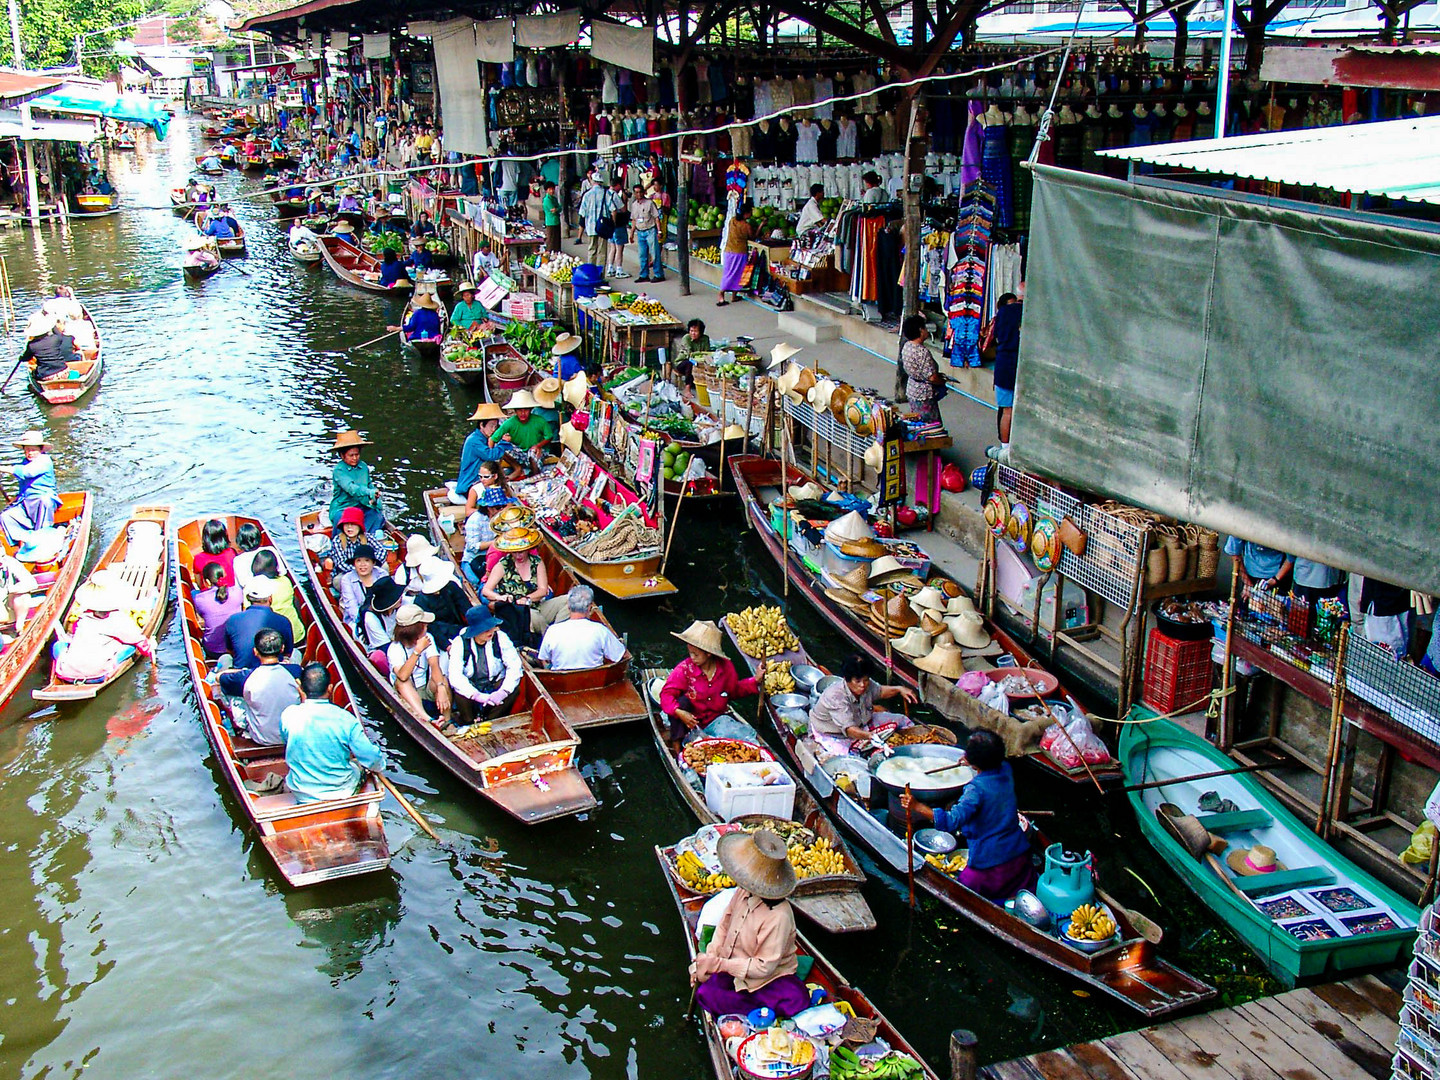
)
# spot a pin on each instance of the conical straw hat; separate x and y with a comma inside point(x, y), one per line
point(914, 642)
point(944, 660)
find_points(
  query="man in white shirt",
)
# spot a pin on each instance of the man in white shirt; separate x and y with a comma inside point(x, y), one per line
point(482, 665)
point(811, 214)
point(580, 642)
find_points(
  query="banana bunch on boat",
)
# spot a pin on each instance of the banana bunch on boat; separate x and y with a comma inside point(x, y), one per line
point(820, 859)
point(1091, 923)
point(697, 877)
point(948, 864)
point(778, 679)
point(762, 632)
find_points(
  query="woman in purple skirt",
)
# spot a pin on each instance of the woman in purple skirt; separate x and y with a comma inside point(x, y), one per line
point(736, 254)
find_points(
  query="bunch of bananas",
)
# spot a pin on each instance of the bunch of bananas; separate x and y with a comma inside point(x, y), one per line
point(652, 310)
point(1091, 923)
point(693, 872)
point(948, 864)
point(778, 679)
point(709, 254)
point(762, 631)
point(817, 860)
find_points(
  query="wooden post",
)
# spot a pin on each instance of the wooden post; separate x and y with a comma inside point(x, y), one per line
point(914, 176)
point(562, 189)
point(1225, 734)
point(1324, 815)
point(962, 1054)
point(682, 197)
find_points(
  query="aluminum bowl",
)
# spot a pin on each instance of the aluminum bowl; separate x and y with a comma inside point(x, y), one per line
point(805, 677)
point(937, 796)
point(1029, 907)
point(825, 684)
point(1087, 946)
point(790, 701)
point(935, 841)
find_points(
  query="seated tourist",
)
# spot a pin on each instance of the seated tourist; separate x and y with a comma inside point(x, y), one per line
point(375, 620)
point(247, 541)
point(215, 547)
point(47, 344)
point(266, 691)
point(326, 750)
point(353, 585)
point(345, 539)
point(241, 628)
point(580, 642)
point(516, 582)
point(282, 594)
point(479, 533)
point(443, 597)
point(482, 665)
point(415, 668)
point(214, 604)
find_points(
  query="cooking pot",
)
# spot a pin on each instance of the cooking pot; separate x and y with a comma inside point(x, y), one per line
point(930, 796)
point(790, 701)
point(805, 677)
point(825, 684)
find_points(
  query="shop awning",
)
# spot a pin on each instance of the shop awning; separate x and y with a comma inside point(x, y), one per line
point(1399, 159)
point(1261, 370)
point(20, 86)
point(105, 101)
point(46, 128)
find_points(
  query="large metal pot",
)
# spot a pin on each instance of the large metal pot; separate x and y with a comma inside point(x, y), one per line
point(930, 796)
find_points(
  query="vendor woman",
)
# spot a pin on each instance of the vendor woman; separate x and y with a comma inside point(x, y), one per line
point(751, 961)
point(986, 815)
point(849, 709)
point(701, 686)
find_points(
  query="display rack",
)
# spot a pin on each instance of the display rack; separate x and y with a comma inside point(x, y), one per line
point(837, 453)
point(1417, 1050)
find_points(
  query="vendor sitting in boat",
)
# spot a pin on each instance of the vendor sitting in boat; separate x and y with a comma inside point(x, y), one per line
point(848, 711)
point(424, 321)
point(419, 257)
point(352, 483)
point(986, 815)
point(211, 163)
point(580, 642)
point(751, 960)
point(218, 226)
point(700, 688)
point(525, 429)
point(475, 452)
point(467, 312)
point(349, 204)
point(392, 270)
point(36, 497)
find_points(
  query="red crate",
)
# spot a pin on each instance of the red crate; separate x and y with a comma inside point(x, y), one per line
point(1177, 673)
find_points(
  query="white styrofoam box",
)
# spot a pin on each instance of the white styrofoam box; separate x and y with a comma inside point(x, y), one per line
point(734, 790)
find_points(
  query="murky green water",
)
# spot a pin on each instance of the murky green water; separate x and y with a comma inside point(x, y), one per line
point(144, 933)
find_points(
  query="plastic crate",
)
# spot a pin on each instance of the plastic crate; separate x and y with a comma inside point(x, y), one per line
point(1177, 673)
point(735, 790)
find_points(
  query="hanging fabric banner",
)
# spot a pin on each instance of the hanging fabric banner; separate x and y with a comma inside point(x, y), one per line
point(377, 46)
point(547, 31)
point(317, 42)
point(458, 73)
point(495, 41)
point(630, 47)
point(340, 40)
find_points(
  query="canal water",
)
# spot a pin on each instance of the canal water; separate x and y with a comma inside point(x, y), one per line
point(144, 932)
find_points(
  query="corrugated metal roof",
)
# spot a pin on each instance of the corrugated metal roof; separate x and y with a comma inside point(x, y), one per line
point(17, 86)
point(1399, 159)
point(1424, 49)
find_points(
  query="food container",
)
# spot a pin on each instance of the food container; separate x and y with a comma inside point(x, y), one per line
point(797, 720)
point(908, 763)
point(935, 841)
point(1180, 630)
point(825, 684)
point(733, 791)
point(855, 767)
point(805, 677)
point(790, 701)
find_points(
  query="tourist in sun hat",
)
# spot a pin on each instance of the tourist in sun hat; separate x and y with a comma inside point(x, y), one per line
point(47, 345)
point(482, 665)
point(37, 496)
point(701, 687)
point(517, 582)
point(352, 483)
point(442, 596)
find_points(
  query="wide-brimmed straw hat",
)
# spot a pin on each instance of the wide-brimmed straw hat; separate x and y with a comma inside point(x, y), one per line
point(413, 615)
point(39, 325)
point(929, 598)
point(886, 569)
point(1186, 829)
point(915, 642)
point(705, 636)
point(969, 630)
point(425, 300)
point(931, 621)
point(522, 399)
point(515, 541)
point(548, 392)
point(464, 287)
point(417, 549)
point(346, 439)
point(435, 573)
point(945, 660)
point(102, 592)
point(856, 580)
point(845, 598)
point(782, 352)
point(851, 526)
point(565, 344)
point(341, 228)
point(809, 491)
point(1254, 861)
point(488, 410)
point(571, 437)
point(959, 605)
point(513, 517)
point(894, 613)
point(576, 390)
point(31, 438)
point(758, 862)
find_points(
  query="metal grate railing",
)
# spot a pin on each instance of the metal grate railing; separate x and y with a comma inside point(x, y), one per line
point(1408, 694)
point(828, 428)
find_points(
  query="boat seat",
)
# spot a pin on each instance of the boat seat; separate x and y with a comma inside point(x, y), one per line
point(1236, 821)
point(1300, 877)
point(276, 800)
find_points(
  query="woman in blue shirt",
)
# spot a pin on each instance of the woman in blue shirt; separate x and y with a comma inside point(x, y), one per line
point(424, 321)
point(37, 498)
point(392, 270)
point(986, 815)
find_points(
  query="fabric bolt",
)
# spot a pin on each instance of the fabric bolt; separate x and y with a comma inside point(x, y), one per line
point(628, 47)
point(458, 48)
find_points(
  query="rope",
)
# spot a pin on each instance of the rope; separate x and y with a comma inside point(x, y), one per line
point(1212, 711)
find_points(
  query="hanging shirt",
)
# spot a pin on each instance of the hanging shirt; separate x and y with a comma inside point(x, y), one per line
point(807, 143)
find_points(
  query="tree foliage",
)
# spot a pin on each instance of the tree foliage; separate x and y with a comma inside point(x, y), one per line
point(48, 30)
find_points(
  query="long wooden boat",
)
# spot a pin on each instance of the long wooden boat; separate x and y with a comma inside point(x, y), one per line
point(427, 348)
point(288, 208)
point(822, 973)
point(833, 901)
point(757, 479)
point(201, 263)
point(57, 585)
point(464, 375)
point(228, 246)
point(201, 168)
point(351, 265)
point(626, 577)
point(502, 385)
point(305, 250)
point(309, 842)
point(79, 378)
point(525, 766)
point(1345, 926)
point(1130, 970)
point(150, 581)
point(595, 697)
point(96, 205)
point(255, 163)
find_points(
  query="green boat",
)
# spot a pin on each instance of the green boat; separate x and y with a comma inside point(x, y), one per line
point(1306, 910)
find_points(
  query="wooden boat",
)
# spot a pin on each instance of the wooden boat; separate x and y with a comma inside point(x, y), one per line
point(79, 379)
point(201, 262)
point(595, 697)
point(1130, 970)
point(507, 372)
point(833, 902)
point(354, 266)
point(822, 973)
point(1312, 869)
point(627, 577)
point(288, 209)
point(149, 578)
point(95, 205)
point(180, 205)
point(757, 480)
point(525, 766)
point(305, 249)
point(229, 246)
point(201, 168)
point(57, 586)
point(309, 842)
point(428, 348)
point(465, 375)
point(255, 163)
point(283, 161)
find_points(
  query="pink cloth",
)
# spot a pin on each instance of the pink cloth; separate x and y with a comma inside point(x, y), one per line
point(95, 647)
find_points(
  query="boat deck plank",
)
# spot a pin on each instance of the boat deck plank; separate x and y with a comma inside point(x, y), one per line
point(1338, 1031)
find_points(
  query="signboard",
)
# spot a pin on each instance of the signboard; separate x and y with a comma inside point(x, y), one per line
point(422, 78)
point(892, 469)
point(521, 106)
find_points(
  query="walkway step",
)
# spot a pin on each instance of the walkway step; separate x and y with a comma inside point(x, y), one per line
point(807, 327)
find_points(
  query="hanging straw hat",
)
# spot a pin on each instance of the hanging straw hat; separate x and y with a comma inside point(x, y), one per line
point(780, 353)
point(929, 597)
point(803, 382)
point(705, 636)
point(945, 660)
point(565, 344)
point(997, 513)
point(856, 580)
point(969, 630)
point(346, 439)
point(571, 438)
point(786, 380)
point(31, 438)
point(758, 862)
point(576, 390)
point(1253, 862)
point(894, 613)
point(518, 540)
point(819, 394)
point(806, 492)
point(852, 526)
point(733, 431)
point(931, 622)
point(959, 605)
point(548, 392)
point(435, 573)
point(874, 456)
point(488, 410)
point(418, 549)
point(915, 642)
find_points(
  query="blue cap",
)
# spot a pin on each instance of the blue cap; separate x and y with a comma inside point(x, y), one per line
point(478, 620)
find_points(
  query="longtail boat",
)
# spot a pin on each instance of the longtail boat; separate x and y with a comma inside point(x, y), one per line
point(832, 901)
point(757, 479)
point(143, 572)
point(96, 205)
point(309, 842)
point(1315, 913)
point(57, 580)
point(201, 167)
point(525, 765)
point(356, 267)
point(427, 347)
point(716, 492)
point(594, 697)
point(79, 378)
point(1129, 970)
point(822, 973)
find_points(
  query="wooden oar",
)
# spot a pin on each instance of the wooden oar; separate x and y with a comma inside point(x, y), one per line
point(407, 806)
point(12, 372)
point(375, 341)
point(910, 848)
point(1256, 767)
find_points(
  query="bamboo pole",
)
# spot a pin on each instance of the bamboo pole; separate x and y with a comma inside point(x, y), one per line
point(1324, 815)
point(1225, 736)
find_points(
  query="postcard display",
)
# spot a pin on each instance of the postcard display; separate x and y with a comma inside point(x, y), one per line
point(1418, 1048)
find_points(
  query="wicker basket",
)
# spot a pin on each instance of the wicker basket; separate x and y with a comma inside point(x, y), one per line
point(1207, 562)
point(1157, 566)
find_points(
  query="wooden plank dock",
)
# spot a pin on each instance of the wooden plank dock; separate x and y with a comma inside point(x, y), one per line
point(1338, 1031)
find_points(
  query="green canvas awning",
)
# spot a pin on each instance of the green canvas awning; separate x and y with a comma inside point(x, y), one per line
point(105, 101)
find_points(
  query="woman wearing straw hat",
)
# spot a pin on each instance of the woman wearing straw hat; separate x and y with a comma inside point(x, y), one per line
point(751, 960)
point(566, 352)
point(37, 496)
point(517, 582)
point(103, 636)
point(987, 815)
point(525, 429)
point(47, 345)
point(701, 686)
point(424, 321)
point(393, 272)
point(849, 711)
point(352, 483)
point(467, 312)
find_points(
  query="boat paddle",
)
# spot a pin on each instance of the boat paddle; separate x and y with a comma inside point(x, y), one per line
point(375, 341)
point(910, 848)
point(407, 806)
point(228, 265)
point(13, 370)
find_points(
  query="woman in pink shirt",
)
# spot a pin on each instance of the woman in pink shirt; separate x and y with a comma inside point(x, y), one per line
point(701, 686)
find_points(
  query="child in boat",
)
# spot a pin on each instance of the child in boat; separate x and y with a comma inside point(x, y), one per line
point(344, 540)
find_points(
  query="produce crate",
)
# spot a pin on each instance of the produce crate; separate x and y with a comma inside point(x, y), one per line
point(525, 306)
point(1176, 672)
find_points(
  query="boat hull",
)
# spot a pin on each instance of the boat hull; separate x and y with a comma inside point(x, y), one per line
point(63, 390)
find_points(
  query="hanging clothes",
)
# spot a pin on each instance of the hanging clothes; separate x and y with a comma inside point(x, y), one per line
point(995, 169)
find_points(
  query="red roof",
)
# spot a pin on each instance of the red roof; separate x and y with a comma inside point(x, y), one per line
point(18, 86)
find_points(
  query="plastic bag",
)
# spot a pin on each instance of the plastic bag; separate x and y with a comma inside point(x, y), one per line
point(1081, 748)
point(995, 698)
point(1422, 843)
point(729, 726)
